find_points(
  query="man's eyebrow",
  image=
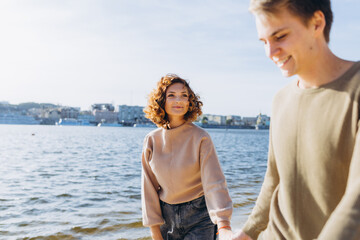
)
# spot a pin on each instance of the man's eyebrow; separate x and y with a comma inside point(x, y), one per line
point(274, 33)
point(277, 31)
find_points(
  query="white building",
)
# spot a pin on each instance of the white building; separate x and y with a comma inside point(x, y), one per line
point(104, 113)
point(69, 112)
point(234, 120)
point(131, 114)
point(214, 119)
point(86, 117)
point(249, 121)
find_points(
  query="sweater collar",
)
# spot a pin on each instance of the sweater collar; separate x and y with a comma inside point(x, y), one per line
point(177, 129)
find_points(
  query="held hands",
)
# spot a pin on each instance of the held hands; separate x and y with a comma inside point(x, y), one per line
point(225, 234)
point(240, 236)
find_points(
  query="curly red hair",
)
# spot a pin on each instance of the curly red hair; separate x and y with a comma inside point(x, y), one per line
point(155, 110)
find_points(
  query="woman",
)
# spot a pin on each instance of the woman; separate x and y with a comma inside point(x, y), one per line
point(184, 192)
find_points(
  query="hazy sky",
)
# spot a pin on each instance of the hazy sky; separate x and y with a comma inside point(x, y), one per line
point(80, 52)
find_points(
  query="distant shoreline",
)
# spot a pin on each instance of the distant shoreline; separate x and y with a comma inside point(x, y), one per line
point(149, 126)
point(230, 126)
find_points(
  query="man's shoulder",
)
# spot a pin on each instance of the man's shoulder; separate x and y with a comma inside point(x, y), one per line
point(356, 71)
point(285, 91)
point(350, 80)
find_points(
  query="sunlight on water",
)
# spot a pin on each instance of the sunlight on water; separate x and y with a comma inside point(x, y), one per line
point(84, 182)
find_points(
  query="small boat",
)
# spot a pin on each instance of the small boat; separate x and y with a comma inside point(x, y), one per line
point(109, 125)
point(70, 122)
point(144, 125)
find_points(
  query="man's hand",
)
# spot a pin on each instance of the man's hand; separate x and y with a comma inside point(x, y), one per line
point(241, 236)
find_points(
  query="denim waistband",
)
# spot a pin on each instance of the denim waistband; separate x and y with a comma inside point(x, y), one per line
point(184, 203)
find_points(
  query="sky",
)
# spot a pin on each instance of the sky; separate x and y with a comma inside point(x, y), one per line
point(80, 52)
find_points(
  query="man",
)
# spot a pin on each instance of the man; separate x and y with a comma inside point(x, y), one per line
point(311, 189)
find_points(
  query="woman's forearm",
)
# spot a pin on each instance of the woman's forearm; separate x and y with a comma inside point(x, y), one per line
point(155, 232)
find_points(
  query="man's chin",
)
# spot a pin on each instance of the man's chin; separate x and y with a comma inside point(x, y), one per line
point(286, 73)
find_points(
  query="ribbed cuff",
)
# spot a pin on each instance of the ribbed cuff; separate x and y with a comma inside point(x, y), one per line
point(223, 223)
point(251, 230)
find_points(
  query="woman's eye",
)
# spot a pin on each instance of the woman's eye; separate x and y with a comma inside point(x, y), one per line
point(170, 95)
point(185, 95)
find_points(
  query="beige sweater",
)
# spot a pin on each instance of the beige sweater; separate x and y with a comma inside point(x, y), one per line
point(312, 184)
point(180, 165)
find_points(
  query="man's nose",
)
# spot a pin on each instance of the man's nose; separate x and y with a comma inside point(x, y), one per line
point(272, 50)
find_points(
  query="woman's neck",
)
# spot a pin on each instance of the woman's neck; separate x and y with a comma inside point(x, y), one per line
point(174, 123)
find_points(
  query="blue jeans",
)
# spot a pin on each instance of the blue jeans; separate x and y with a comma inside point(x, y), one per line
point(187, 221)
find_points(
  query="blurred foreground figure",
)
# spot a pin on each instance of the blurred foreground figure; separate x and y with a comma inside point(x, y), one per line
point(311, 188)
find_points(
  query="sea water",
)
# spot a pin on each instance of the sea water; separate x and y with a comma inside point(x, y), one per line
point(75, 182)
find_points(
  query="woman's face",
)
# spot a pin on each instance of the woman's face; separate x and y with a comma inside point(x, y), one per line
point(177, 100)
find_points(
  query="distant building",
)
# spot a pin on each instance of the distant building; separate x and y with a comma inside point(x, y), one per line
point(214, 119)
point(37, 112)
point(54, 114)
point(249, 121)
point(69, 112)
point(233, 120)
point(47, 113)
point(5, 107)
point(87, 117)
point(103, 106)
point(131, 114)
point(104, 113)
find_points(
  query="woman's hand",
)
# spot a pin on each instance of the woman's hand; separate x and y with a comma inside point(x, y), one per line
point(224, 230)
point(156, 233)
point(225, 234)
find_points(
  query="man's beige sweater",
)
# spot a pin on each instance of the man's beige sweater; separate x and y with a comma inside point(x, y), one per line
point(311, 188)
point(180, 165)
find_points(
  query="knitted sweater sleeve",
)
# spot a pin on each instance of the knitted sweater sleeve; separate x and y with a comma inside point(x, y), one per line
point(344, 222)
point(151, 211)
point(217, 196)
point(259, 218)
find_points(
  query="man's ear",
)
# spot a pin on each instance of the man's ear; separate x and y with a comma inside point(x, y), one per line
point(318, 23)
